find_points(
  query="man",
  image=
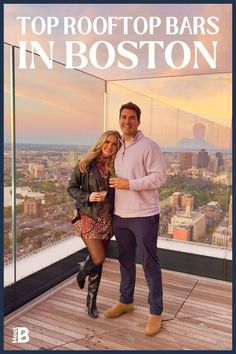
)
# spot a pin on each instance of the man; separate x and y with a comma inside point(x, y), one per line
point(198, 141)
point(141, 169)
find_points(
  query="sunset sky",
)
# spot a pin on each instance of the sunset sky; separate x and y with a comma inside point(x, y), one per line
point(66, 106)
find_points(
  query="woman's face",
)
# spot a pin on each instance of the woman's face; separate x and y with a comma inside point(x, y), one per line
point(110, 146)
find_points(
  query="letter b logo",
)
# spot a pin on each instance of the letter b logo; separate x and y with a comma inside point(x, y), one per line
point(23, 334)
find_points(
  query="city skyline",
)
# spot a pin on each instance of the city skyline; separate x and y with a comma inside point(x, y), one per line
point(78, 146)
point(196, 201)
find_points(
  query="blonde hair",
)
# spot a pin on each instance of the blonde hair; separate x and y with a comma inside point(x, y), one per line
point(96, 151)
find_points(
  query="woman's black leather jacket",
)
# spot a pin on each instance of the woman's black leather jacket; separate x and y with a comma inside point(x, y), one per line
point(81, 185)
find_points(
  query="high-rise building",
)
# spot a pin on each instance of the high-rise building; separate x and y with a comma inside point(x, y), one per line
point(37, 170)
point(186, 160)
point(33, 207)
point(180, 200)
point(184, 221)
point(176, 201)
point(212, 165)
point(203, 159)
point(195, 160)
point(220, 161)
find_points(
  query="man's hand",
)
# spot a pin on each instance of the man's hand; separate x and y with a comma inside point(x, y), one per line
point(119, 183)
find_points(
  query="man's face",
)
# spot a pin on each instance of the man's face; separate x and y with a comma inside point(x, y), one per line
point(129, 122)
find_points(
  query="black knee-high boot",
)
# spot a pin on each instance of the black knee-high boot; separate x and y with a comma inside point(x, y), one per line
point(85, 268)
point(93, 285)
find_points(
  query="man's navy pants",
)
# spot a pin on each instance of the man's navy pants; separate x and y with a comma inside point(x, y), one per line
point(140, 232)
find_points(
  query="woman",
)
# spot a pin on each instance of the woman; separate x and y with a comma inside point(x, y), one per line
point(89, 186)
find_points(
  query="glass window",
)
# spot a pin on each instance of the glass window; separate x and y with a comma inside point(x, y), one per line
point(196, 201)
point(59, 114)
point(7, 168)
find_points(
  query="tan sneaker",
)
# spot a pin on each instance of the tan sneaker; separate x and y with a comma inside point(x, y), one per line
point(118, 309)
point(153, 325)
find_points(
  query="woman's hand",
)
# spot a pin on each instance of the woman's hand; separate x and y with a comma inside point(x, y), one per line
point(97, 196)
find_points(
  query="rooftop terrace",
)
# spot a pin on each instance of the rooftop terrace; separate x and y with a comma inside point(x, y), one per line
point(197, 316)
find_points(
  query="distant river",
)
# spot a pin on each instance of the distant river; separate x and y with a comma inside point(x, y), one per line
point(25, 191)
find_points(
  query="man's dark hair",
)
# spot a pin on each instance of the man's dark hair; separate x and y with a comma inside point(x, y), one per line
point(133, 107)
